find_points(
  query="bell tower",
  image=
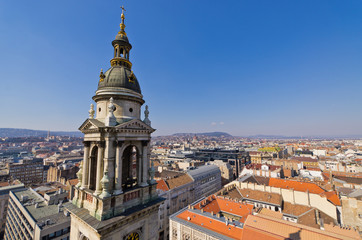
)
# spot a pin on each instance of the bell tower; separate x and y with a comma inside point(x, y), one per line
point(116, 195)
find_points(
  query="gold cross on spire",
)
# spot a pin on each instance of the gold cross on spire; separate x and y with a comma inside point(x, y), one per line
point(122, 25)
point(123, 9)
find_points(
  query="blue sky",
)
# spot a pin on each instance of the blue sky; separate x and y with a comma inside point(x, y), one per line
point(245, 67)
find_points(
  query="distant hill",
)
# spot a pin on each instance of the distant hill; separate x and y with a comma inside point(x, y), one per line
point(209, 134)
point(304, 137)
point(18, 132)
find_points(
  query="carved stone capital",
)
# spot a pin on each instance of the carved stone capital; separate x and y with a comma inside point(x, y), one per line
point(100, 144)
point(86, 143)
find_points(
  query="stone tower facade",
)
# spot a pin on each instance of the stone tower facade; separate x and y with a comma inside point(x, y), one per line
point(116, 195)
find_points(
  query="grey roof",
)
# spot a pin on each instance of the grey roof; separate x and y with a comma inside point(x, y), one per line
point(43, 211)
point(96, 122)
point(85, 216)
point(121, 40)
point(5, 190)
point(202, 171)
point(356, 194)
point(118, 77)
point(244, 177)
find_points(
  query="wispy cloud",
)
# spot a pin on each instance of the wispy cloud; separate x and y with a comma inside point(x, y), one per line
point(217, 123)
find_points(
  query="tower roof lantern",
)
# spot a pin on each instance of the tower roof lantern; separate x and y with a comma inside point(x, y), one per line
point(121, 37)
point(120, 76)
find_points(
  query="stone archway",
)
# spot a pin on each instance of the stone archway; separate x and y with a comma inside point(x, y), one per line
point(93, 168)
point(130, 166)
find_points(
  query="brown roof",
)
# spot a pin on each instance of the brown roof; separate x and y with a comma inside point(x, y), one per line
point(262, 180)
point(271, 213)
point(349, 232)
point(266, 228)
point(294, 209)
point(309, 219)
point(354, 180)
point(305, 159)
point(4, 184)
point(167, 174)
point(178, 181)
point(266, 197)
point(287, 172)
point(232, 193)
point(73, 182)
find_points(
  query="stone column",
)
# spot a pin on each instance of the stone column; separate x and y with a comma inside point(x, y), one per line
point(108, 160)
point(143, 163)
point(139, 166)
point(85, 183)
point(118, 169)
point(99, 168)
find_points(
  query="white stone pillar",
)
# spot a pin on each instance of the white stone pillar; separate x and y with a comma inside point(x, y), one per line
point(108, 160)
point(99, 169)
point(139, 166)
point(143, 163)
point(118, 169)
point(85, 183)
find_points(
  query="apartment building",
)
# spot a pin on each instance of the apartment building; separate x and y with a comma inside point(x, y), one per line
point(30, 216)
point(28, 171)
point(4, 199)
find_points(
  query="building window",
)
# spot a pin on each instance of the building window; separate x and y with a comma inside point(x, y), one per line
point(174, 233)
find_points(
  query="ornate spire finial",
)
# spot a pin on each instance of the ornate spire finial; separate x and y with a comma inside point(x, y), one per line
point(147, 120)
point(101, 75)
point(91, 111)
point(110, 120)
point(122, 25)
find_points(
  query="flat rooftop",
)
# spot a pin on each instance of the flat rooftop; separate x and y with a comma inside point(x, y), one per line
point(43, 211)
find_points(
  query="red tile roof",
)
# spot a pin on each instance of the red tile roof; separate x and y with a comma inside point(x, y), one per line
point(218, 204)
point(220, 227)
point(161, 184)
point(332, 197)
point(297, 186)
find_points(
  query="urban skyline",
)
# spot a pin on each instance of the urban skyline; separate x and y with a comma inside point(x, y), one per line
point(281, 68)
point(113, 180)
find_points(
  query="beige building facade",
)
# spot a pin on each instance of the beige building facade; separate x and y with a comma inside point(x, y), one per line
point(352, 212)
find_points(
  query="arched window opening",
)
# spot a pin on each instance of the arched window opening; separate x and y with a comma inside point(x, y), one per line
point(121, 52)
point(130, 167)
point(93, 169)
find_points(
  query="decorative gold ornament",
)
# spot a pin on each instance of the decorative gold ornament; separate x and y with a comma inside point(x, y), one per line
point(131, 77)
point(101, 76)
point(133, 236)
point(122, 25)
